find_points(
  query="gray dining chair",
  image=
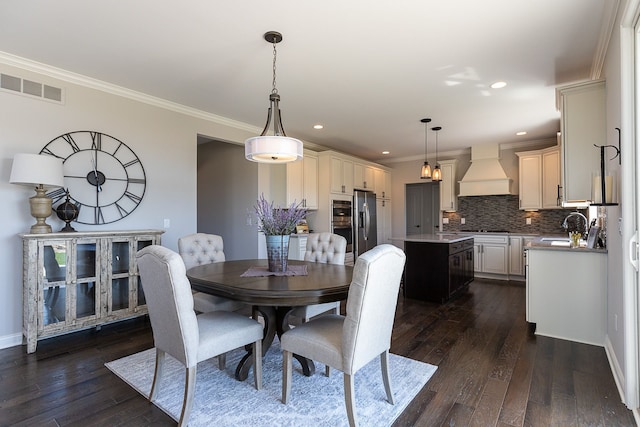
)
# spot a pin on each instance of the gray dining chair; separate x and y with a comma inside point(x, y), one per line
point(202, 248)
point(347, 343)
point(179, 332)
point(326, 248)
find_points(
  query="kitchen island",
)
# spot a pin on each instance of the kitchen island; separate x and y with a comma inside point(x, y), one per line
point(438, 267)
point(566, 290)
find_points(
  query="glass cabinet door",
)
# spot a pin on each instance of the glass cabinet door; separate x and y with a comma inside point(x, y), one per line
point(140, 244)
point(120, 266)
point(54, 283)
point(86, 280)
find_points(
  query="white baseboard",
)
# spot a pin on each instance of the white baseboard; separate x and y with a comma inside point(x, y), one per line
point(13, 340)
point(618, 374)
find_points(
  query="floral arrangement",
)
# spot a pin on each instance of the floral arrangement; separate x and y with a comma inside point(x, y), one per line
point(275, 221)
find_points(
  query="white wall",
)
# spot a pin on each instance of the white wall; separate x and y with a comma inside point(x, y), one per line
point(163, 139)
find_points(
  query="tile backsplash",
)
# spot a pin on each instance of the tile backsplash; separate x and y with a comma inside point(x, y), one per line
point(502, 213)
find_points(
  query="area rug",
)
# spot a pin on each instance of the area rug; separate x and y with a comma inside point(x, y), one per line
point(318, 400)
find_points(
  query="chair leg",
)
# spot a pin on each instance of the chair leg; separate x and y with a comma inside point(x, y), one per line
point(349, 396)
point(384, 364)
point(327, 370)
point(157, 374)
point(287, 367)
point(222, 361)
point(257, 364)
point(189, 388)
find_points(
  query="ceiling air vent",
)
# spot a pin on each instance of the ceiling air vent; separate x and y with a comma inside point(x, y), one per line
point(28, 87)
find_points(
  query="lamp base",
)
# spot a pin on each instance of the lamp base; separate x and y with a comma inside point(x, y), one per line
point(40, 206)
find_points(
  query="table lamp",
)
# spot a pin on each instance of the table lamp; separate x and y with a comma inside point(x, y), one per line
point(42, 172)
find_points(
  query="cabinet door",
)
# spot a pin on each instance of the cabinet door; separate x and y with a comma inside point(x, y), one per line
point(448, 199)
point(495, 259)
point(383, 184)
point(363, 177)
point(582, 124)
point(383, 213)
point(530, 174)
point(120, 288)
point(310, 182)
point(295, 182)
point(337, 177)
point(516, 257)
point(477, 257)
point(551, 188)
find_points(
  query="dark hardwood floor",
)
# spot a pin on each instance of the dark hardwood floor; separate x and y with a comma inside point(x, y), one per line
point(491, 371)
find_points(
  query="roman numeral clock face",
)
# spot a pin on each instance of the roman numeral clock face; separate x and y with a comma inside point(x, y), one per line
point(104, 176)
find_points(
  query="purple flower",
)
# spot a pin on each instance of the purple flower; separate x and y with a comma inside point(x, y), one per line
point(276, 220)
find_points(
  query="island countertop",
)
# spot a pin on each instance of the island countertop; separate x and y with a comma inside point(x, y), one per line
point(433, 238)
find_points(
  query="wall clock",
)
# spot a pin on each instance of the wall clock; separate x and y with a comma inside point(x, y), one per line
point(105, 178)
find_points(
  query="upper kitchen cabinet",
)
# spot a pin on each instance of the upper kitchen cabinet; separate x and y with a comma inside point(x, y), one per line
point(530, 174)
point(382, 183)
point(448, 198)
point(302, 181)
point(340, 172)
point(363, 177)
point(583, 120)
point(539, 174)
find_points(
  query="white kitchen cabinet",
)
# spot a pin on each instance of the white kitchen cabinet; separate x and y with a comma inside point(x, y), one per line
point(78, 280)
point(539, 179)
point(583, 119)
point(382, 183)
point(516, 256)
point(363, 177)
point(566, 294)
point(383, 213)
point(530, 179)
point(491, 255)
point(551, 178)
point(341, 177)
point(448, 198)
point(302, 181)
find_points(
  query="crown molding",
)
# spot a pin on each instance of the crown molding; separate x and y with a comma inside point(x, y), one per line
point(91, 83)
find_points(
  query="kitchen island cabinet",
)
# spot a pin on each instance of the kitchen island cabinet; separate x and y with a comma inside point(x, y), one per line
point(438, 267)
point(566, 292)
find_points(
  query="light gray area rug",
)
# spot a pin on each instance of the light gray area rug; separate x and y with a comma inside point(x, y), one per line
point(221, 400)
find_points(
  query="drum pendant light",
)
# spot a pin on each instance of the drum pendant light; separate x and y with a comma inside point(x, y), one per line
point(425, 173)
point(276, 148)
point(437, 172)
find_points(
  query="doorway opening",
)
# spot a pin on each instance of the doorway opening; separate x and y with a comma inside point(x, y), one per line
point(422, 208)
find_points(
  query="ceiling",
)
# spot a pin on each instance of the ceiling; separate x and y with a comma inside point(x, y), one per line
point(367, 70)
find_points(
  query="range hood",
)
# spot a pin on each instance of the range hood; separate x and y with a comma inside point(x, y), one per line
point(485, 176)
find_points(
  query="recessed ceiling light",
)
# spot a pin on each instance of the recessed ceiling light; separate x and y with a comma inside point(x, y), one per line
point(498, 85)
point(521, 133)
point(318, 126)
point(385, 152)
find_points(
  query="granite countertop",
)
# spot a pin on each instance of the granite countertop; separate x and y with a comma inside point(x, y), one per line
point(548, 243)
point(435, 238)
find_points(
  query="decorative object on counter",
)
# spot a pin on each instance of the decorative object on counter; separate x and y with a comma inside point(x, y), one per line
point(277, 224)
point(425, 173)
point(437, 173)
point(574, 239)
point(67, 212)
point(278, 148)
point(592, 238)
point(604, 183)
point(41, 172)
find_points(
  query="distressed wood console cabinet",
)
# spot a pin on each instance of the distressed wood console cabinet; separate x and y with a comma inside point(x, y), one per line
point(78, 280)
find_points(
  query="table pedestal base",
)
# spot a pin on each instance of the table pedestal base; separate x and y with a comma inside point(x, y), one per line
point(275, 322)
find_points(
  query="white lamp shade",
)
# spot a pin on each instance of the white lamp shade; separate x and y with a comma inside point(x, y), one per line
point(273, 149)
point(37, 169)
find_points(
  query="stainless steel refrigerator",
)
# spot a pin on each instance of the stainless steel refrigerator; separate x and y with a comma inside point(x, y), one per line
point(364, 222)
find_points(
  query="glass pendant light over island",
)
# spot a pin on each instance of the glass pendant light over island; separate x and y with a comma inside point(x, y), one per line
point(437, 172)
point(276, 148)
point(425, 173)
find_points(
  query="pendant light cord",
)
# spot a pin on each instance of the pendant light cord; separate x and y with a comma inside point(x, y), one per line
point(275, 53)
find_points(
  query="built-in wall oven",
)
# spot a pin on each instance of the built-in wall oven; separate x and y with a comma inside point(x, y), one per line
point(341, 223)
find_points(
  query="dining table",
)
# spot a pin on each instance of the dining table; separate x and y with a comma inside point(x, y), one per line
point(272, 296)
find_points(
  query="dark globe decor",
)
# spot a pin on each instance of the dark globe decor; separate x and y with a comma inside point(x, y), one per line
point(67, 212)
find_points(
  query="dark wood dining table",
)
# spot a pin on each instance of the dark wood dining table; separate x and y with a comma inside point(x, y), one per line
point(272, 297)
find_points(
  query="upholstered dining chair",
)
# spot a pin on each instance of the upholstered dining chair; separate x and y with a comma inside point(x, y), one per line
point(202, 248)
point(182, 334)
point(327, 248)
point(349, 342)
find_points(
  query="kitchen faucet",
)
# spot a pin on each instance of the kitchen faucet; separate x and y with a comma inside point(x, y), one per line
point(565, 224)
